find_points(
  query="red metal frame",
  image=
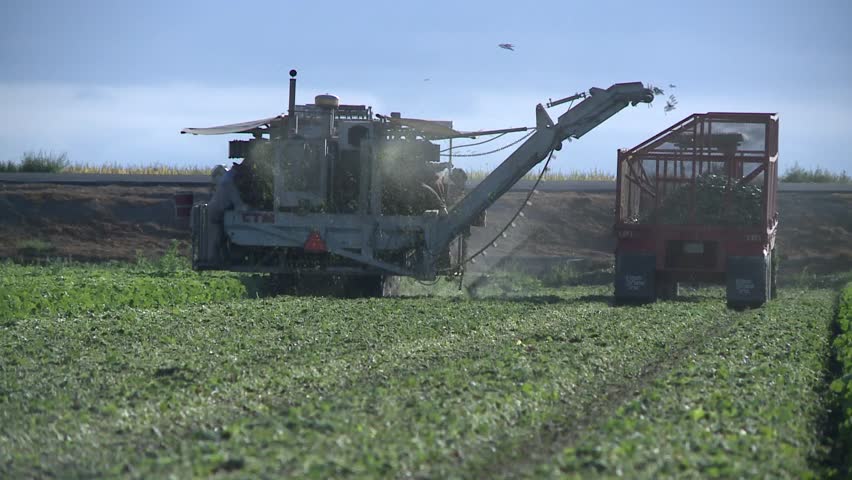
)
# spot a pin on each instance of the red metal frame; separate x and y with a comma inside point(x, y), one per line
point(672, 160)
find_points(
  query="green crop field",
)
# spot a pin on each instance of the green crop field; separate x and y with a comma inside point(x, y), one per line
point(843, 385)
point(157, 372)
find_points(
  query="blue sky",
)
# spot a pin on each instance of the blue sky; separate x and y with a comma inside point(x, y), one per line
point(115, 81)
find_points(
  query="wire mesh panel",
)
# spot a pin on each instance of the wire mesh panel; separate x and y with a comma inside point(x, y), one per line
point(710, 169)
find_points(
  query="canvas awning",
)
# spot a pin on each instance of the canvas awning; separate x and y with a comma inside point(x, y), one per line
point(244, 127)
point(431, 128)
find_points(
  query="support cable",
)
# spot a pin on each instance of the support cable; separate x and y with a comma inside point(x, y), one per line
point(474, 144)
point(516, 215)
point(479, 154)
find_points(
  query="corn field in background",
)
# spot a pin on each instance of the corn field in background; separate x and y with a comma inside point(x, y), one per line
point(50, 162)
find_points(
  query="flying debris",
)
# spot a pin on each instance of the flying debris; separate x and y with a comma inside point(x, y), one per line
point(671, 104)
point(507, 46)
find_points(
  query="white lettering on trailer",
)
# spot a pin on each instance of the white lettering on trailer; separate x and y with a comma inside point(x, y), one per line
point(634, 282)
point(744, 286)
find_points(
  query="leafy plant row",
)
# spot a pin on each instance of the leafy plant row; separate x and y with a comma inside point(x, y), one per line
point(422, 387)
point(70, 290)
point(317, 387)
point(746, 404)
point(843, 385)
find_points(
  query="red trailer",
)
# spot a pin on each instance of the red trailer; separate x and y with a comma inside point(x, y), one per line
point(697, 202)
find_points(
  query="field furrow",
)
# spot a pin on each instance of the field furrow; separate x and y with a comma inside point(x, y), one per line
point(746, 405)
point(568, 426)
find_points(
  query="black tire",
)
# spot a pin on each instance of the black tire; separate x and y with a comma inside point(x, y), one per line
point(282, 284)
point(744, 305)
point(757, 301)
point(735, 305)
point(320, 285)
point(627, 268)
point(367, 286)
point(373, 286)
point(632, 301)
point(620, 301)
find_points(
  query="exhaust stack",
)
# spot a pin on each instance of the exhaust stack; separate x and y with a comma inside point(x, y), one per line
point(292, 126)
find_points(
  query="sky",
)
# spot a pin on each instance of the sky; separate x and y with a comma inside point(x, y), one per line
point(114, 82)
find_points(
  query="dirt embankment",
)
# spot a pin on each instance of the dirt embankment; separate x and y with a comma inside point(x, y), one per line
point(87, 222)
point(116, 222)
point(814, 232)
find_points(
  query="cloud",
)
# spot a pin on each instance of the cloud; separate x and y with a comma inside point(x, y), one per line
point(141, 124)
point(813, 131)
point(135, 124)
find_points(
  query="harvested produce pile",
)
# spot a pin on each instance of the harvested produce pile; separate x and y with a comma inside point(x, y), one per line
point(253, 176)
point(717, 202)
point(409, 177)
point(409, 181)
point(550, 382)
point(757, 388)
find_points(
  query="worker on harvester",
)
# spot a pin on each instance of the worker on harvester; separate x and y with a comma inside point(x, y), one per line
point(224, 196)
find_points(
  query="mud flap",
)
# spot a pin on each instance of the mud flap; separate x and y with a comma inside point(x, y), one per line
point(634, 277)
point(748, 280)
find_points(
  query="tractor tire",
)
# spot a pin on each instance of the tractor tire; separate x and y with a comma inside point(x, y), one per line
point(357, 286)
point(367, 287)
point(317, 286)
point(282, 284)
point(374, 286)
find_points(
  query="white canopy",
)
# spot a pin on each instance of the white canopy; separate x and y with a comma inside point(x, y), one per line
point(244, 127)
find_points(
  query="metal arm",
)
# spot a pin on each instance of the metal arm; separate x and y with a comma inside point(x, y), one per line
point(596, 108)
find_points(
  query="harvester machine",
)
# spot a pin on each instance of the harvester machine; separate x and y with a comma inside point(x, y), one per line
point(331, 194)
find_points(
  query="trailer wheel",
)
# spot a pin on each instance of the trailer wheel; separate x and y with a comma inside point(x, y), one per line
point(756, 275)
point(635, 279)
